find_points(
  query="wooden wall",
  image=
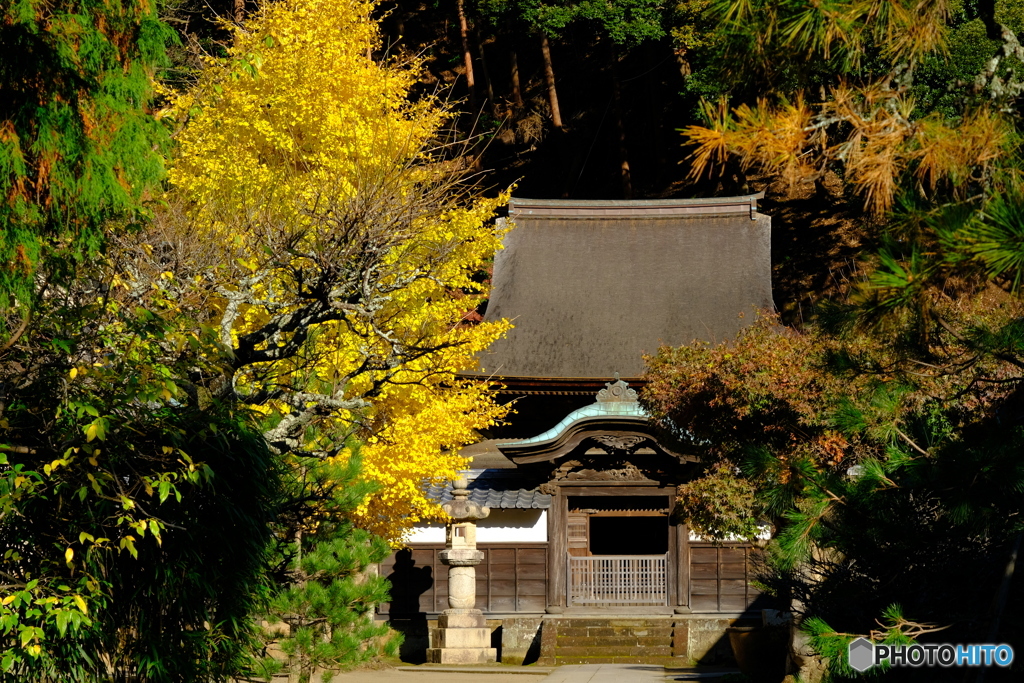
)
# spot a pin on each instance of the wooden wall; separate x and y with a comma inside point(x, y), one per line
point(720, 577)
point(512, 578)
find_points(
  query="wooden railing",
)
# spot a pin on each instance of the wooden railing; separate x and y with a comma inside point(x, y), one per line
point(617, 580)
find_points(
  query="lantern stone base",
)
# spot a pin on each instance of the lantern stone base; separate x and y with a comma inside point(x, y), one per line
point(461, 618)
point(462, 655)
point(462, 638)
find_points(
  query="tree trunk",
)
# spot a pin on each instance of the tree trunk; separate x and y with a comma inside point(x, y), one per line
point(481, 49)
point(517, 88)
point(467, 57)
point(655, 138)
point(237, 15)
point(805, 664)
point(624, 172)
point(549, 76)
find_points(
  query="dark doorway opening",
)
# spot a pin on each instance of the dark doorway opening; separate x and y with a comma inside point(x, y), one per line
point(628, 535)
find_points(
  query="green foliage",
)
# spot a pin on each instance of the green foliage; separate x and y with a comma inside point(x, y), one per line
point(883, 438)
point(78, 146)
point(995, 240)
point(133, 510)
point(720, 504)
point(971, 243)
point(626, 22)
point(328, 602)
point(846, 37)
point(699, 49)
point(141, 507)
point(895, 630)
point(943, 80)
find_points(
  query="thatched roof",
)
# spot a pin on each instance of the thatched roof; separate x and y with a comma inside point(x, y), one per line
point(591, 286)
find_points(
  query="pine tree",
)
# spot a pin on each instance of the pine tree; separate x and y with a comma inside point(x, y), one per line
point(328, 601)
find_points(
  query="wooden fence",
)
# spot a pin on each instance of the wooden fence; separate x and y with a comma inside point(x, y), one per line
point(617, 580)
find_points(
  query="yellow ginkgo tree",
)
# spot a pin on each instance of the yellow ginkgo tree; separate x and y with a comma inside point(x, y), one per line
point(317, 213)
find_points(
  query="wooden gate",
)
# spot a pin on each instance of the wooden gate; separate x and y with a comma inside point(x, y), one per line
point(621, 580)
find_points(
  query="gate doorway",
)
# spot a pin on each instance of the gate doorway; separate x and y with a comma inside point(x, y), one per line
point(617, 551)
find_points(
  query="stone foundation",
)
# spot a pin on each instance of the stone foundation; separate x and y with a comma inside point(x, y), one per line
point(676, 640)
point(706, 639)
point(461, 637)
point(520, 640)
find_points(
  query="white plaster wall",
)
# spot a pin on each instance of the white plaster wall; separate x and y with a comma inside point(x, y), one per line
point(501, 526)
point(426, 533)
point(513, 526)
point(764, 534)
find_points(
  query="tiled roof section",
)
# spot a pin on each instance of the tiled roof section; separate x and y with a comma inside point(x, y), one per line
point(485, 456)
point(592, 286)
point(524, 499)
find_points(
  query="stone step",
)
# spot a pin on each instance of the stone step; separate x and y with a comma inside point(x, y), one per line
point(611, 641)
point(616, 651)
point(576, 622)
point(460, 637)
point(601, 631)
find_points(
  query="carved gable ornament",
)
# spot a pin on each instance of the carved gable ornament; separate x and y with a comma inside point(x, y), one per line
point(613, 443)
point(617, 392)
point(576, 471)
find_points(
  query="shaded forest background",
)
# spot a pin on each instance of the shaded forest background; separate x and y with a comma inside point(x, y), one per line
point(612, 97)
point(624, 88)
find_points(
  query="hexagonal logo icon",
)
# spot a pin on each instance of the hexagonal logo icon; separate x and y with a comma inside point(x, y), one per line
point(861, 654)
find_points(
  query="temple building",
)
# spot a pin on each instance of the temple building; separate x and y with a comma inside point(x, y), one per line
point(580, 484)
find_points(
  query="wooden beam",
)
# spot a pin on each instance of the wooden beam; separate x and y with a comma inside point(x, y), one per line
point(683, 564)
point(557, 523)
point(628, 513)
point(597, 483)
point(672, 568)
point(614, 488)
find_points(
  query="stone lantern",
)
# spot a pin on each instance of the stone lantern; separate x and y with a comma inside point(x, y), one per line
point(462, 636)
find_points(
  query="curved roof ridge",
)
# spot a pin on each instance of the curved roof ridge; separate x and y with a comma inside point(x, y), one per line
point(625, 410)
point(649, 208)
